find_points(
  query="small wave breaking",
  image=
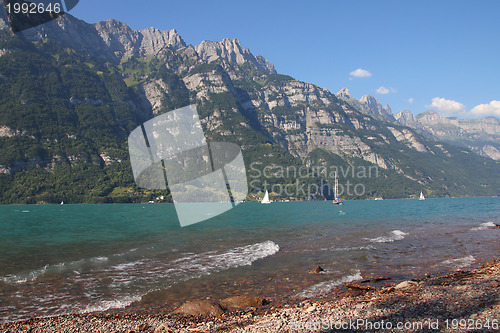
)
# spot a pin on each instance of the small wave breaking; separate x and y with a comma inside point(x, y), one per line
point(33, 275)
point(484, 226)
point(460, 262)
point(394, 235)
point(327, 286)
point(119, 303)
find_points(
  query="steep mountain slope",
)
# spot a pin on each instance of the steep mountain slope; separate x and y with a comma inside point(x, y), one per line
point(72, 92)
point(480, 135)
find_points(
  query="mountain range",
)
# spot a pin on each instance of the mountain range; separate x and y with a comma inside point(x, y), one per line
point(481, 135)
point(73, 91)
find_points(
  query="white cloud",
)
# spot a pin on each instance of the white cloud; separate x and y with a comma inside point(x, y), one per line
point(493, 108)
point(360, 73)
point(383, 90)
point(411, 100)
point(446, 106)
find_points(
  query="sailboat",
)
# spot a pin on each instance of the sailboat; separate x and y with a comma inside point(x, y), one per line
point(421, 196)
point(266, 198)
point(336, 199)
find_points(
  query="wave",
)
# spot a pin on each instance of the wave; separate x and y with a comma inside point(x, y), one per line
point(132, 279)
point(72, 266)
point(240, 256)
point(460, 262)
point(484, 226)
point(112, 304)
point(394, 235)
point(149, 272)
point(327, 286)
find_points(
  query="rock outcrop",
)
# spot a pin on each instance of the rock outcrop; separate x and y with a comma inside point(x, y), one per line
point(231, 51)
point(368, 105)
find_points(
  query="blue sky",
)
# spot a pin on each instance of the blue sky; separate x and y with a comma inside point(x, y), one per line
point(416, 55)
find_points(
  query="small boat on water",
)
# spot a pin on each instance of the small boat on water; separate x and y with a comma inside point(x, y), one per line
point(336, 199)
point(421, 196)
point(266, 200)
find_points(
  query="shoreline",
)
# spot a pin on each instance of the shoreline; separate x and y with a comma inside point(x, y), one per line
point(165, 202)
point(439, 302)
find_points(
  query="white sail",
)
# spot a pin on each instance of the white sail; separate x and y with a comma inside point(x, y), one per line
point(266, 198)
point(336, 188)
point(336, 199)
point(421, 196)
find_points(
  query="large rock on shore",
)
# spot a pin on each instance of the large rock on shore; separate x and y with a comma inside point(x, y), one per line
point(200, 308)
point(243, 302)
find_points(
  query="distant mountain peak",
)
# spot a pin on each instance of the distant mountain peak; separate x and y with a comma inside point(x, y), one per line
point(368, 99)
point(367, 104)
point(344, 94)
point(231, 51)
point(370, 105)
point(406, 118)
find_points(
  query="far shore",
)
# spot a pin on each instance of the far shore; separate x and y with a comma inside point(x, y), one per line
point(249, 201)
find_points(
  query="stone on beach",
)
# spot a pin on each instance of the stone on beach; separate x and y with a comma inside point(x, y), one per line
point(163, 328)
point(357, 286)
point(316, 270)
point(244, 302)
point(406, 285)
point(197, 308)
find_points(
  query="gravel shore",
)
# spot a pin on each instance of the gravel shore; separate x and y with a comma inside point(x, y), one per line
point(463, 301)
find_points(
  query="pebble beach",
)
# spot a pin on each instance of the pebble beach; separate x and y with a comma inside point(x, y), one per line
point(466, 300)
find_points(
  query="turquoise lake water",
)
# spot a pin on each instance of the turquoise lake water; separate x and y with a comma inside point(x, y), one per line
point(57, 259)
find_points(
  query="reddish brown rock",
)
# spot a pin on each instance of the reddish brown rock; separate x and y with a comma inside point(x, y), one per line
point(200, 308)
point(357, 286)
point(316, 270)
point(406, 285)
point(243, 302)
point(494, 284)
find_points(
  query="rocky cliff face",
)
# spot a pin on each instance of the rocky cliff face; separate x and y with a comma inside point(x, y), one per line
point(231, 51)
point(481, 135)
point(126, 43)
point(405, 118)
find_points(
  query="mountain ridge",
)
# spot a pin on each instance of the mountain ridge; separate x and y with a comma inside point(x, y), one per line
point(277, 120)
point(481, 135)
